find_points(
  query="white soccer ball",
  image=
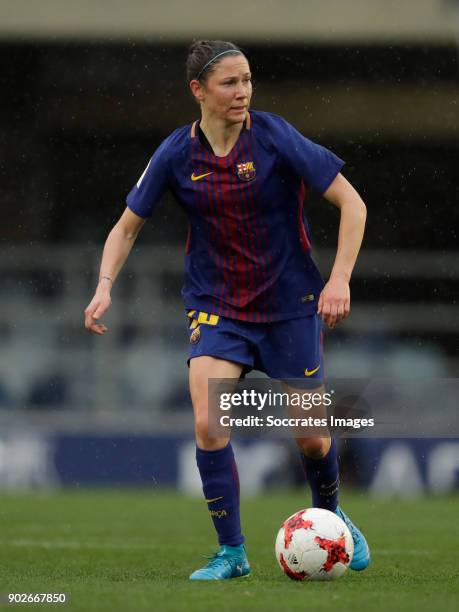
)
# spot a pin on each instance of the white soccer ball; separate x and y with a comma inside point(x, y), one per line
point(314, 544)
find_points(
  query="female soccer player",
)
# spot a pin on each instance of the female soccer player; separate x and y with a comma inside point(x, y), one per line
point(253, 294)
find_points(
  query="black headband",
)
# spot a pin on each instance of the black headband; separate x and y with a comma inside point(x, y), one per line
point(236, 51)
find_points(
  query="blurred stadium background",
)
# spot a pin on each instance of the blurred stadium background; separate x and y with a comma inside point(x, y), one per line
point(88, 92)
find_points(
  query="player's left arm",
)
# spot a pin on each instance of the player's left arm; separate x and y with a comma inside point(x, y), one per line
point(335, 299)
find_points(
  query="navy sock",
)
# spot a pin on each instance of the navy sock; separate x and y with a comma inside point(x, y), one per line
point(323, 478)
point(220, 483)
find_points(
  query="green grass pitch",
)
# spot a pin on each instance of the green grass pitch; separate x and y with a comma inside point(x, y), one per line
point(133, 550)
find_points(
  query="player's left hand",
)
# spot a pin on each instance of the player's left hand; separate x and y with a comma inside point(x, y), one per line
point(334, 301)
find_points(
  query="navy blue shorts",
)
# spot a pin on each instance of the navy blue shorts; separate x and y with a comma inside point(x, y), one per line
point(282, 349)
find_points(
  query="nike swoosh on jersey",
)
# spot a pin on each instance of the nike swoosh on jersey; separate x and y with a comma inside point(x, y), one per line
point(311, 372)
point(214, 499)
point(198, 177)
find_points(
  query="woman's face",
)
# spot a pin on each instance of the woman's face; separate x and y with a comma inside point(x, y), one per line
point(226, 93)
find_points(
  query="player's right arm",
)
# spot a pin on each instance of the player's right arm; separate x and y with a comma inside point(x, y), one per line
point(141, 201)
point(116, 250)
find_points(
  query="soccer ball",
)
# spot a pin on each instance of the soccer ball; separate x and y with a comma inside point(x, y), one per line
point(314, 544)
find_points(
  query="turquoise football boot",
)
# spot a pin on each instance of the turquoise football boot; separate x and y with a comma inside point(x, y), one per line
point(361, 557)
point(229, 562)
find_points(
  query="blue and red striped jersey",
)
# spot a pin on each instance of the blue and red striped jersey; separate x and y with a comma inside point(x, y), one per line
point(248, 253)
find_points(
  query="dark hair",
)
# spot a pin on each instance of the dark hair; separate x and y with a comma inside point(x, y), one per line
point(201, 52)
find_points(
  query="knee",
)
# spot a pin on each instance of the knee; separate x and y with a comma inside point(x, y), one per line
point(203, 436)
point(316, 448)
point(201, 425)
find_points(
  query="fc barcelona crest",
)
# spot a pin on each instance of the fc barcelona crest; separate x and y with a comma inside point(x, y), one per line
point(246, 171)
point(195, 335)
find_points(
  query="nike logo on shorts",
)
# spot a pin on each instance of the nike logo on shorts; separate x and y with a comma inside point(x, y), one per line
point(311, 372)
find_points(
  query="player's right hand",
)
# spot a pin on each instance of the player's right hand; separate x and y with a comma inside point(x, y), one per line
point(98, 306)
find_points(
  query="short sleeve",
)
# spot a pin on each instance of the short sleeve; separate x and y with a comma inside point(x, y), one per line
point(315, 164)
point(151, 186)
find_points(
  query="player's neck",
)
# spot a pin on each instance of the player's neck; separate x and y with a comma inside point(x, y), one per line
point(221, 136)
